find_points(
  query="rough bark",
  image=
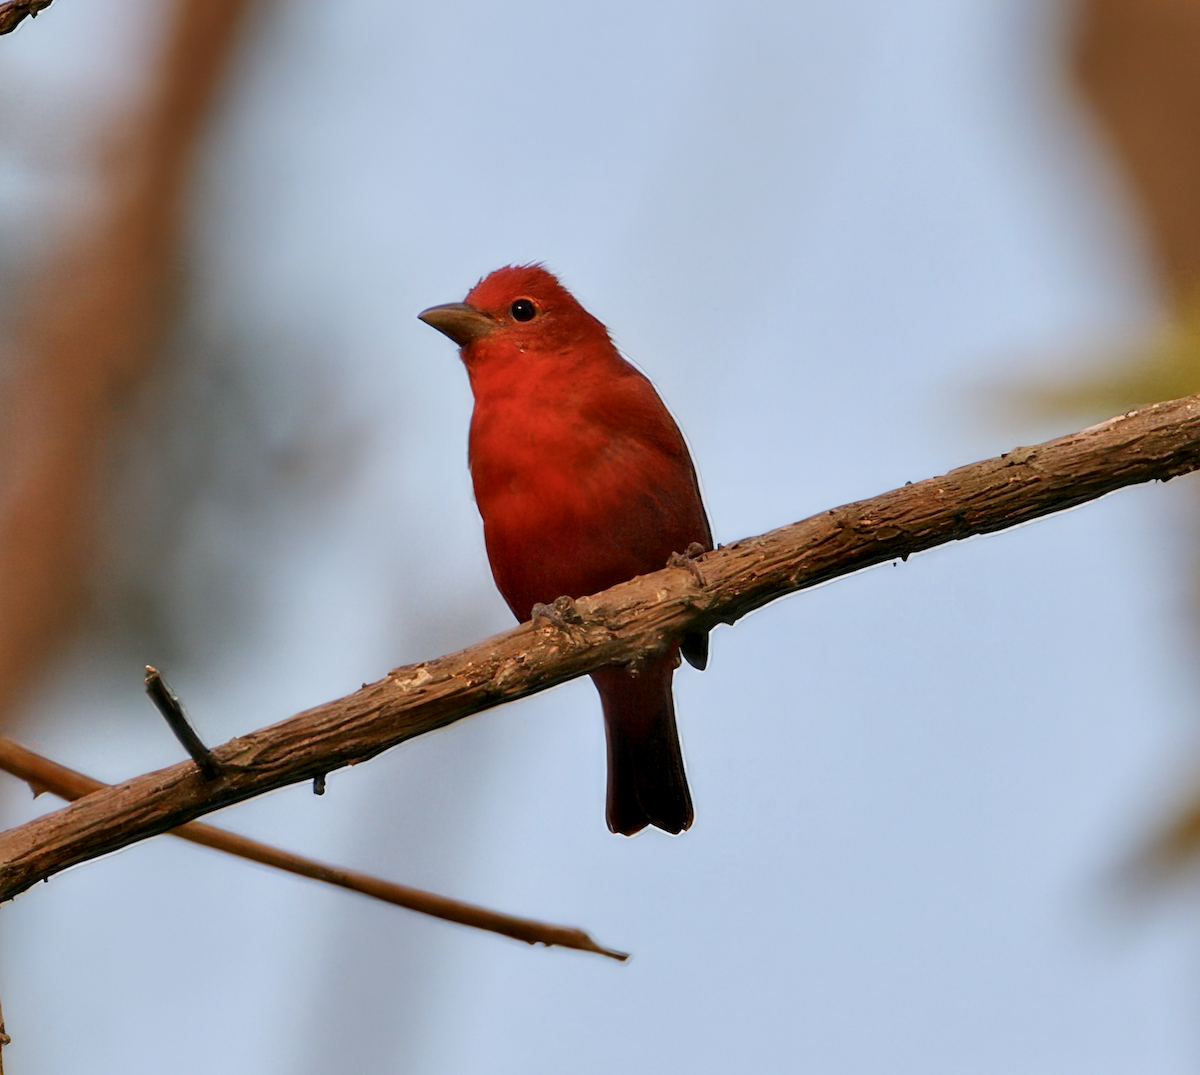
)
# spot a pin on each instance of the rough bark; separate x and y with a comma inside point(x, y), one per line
point(623, 625)
point(15, 12)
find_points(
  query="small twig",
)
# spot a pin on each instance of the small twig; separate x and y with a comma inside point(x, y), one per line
point(42, 774)
point(12, 15)
point(171, 708)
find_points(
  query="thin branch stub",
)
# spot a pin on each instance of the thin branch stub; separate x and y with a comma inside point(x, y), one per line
point(169, 705)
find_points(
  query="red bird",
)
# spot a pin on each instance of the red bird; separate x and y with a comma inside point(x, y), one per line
point(583, 481)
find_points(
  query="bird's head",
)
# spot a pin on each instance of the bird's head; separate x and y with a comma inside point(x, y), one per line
point(520, 308)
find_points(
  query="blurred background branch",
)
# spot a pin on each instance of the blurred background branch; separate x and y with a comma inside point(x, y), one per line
point(42, 775)
point(88, 329)
point(1136, 62)
point(1137, 66)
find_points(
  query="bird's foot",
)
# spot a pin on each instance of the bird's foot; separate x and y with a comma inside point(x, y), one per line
point(687, 560)
point(561, 612)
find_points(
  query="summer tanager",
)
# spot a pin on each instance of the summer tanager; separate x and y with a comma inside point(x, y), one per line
point(583, 481)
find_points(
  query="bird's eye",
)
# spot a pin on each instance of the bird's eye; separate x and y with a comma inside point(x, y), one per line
point(523, 310)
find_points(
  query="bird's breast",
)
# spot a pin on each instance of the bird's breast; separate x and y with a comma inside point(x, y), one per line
point(580, 484)
point(529, 463)
point(568, 511)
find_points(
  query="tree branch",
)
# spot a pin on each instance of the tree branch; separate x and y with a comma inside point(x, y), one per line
point(42, 774)
point(623, 625)
point(13, 13)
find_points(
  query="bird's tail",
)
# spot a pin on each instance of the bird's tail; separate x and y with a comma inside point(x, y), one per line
point(646, 781)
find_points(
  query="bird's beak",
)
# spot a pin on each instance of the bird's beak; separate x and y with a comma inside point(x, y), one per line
point(462, 323)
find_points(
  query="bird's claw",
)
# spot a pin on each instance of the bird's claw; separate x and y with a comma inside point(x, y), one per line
point(561, 612)
point(687, 560)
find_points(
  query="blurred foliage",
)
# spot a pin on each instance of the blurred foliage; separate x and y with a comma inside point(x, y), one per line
point(1137, 64)
point(1165, 366)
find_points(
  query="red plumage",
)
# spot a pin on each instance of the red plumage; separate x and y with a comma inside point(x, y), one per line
point(583, 480)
